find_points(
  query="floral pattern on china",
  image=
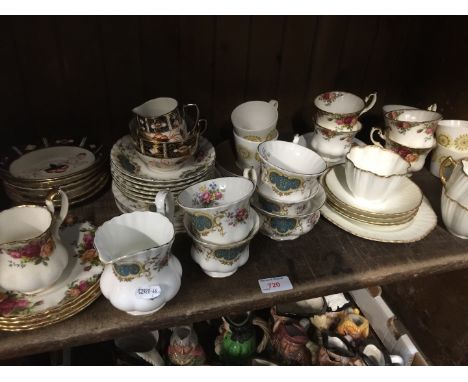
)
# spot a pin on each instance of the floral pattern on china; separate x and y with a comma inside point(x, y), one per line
point(208, 196)
point(82, 273)
point(330, 97)
point(428, 128)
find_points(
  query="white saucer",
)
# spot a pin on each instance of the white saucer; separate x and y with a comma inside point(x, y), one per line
point(422, 224)
point(408, 198)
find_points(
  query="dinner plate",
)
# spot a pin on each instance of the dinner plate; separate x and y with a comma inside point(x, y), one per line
point(407, 199)
point(125, 158)
point(419, 227)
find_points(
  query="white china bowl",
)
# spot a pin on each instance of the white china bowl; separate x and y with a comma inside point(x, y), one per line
point(221, 260)
point(454, 215)
point(374, 173)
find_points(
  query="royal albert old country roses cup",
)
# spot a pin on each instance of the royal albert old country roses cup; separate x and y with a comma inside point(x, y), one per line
point(413, 127)
point(140, 273)
point(338, 110)
point(288, 172)
point(374, 173)
point(255, 120)
point(219, 209)
point(32, 256)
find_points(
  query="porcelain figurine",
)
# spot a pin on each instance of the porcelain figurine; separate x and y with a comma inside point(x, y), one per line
point(184, 349)
point(32, 256)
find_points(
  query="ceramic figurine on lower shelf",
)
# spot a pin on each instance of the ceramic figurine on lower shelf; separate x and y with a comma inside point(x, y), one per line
point(184, 349)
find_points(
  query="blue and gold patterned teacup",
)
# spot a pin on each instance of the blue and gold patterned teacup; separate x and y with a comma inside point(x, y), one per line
point(219, 209)
point(288, 172)
point(289, 227)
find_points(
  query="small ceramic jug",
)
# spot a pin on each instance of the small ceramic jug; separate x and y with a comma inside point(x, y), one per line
point(184, 349)
point(32, 257)
point(237, 342)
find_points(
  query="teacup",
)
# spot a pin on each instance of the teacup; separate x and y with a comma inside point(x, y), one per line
point(221, 260)
point(255, 120)
point(219, 209)
point(280, 227)
point(160, 119)
point(140, 273)
point(454, 215)
point(387, 108)
point(453, 134)
point(441, 153)
point(333, 145)
point(246, 150)
point(374, 173)
point(338, 110)
point(32, 257)
point(412, 127)
point(415, 157)
point(457, 184)
point(288, 172)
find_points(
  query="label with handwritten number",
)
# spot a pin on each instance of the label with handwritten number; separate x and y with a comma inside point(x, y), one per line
point(148, 292)
point(275, 284)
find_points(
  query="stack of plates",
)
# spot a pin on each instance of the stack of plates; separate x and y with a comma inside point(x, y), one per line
point(31, 172)
point(77, 288)
point(135, 185)
point(404, 217)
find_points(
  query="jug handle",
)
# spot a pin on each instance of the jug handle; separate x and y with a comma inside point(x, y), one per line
point(251, 174)
point(164, 203)
point(447, 162)
point(57, 221)
point(432, 107)
point(381, 135)
point(273, 103)
point(266, 333)
point(370, 102)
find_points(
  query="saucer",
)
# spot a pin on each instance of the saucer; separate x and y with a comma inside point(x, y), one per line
point(402, 203)
point(419, 227)
point(73, 291)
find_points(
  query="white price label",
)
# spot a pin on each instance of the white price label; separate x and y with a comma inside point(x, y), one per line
point(275, 284)
point(148, 292)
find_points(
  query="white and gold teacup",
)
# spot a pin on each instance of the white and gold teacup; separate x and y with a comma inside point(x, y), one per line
point(246, 149)
point(32, 258)
point(255, 120)
point(453, 134)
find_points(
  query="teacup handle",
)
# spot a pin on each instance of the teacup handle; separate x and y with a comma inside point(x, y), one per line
point(57, 221)
point(251, 174)
point(164, 203)
point(381, 135)
point(273, 103)
point(266, 333)
point(197, 112)
point(370, 102)
point(432, 107)
point(296, 139)
point(202, 130)
point(447, 162)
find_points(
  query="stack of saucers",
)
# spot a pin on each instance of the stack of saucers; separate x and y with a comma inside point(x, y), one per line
point(31, 172)
point(135, 184)
point(220, 222)
point(288, 196)
point(371, 196)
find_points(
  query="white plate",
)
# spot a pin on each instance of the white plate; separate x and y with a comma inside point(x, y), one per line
point(408, 198)
point(422, 224)
point(124, 157)
point(82, 272)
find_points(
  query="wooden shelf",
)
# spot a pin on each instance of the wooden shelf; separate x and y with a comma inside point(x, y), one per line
point(327, 260)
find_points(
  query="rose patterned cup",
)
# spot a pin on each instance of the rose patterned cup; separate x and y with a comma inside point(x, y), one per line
point(387, 108)
point(412, 127)
point(255, 120)
point(453, 134)
point(415, 157)
point(32, 256)
point(338, 110)
point(219, 209)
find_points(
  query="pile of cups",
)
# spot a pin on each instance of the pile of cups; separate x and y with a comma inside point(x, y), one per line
point(254, 122)
point(409, 132)
point(336, 122)
point(221, 223)
point(288, 195)
point(454, 199)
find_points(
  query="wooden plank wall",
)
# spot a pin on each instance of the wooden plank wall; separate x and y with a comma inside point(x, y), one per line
point(74, 75)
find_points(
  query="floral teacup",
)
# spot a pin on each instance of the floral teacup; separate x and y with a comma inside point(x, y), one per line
point(412, 127)
point(255, 120)
point(387, 108)
point(219, 209)
point(415, 157)
point(288, 172)
point(453, 134)
point(337, 110)
point(32, 257)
